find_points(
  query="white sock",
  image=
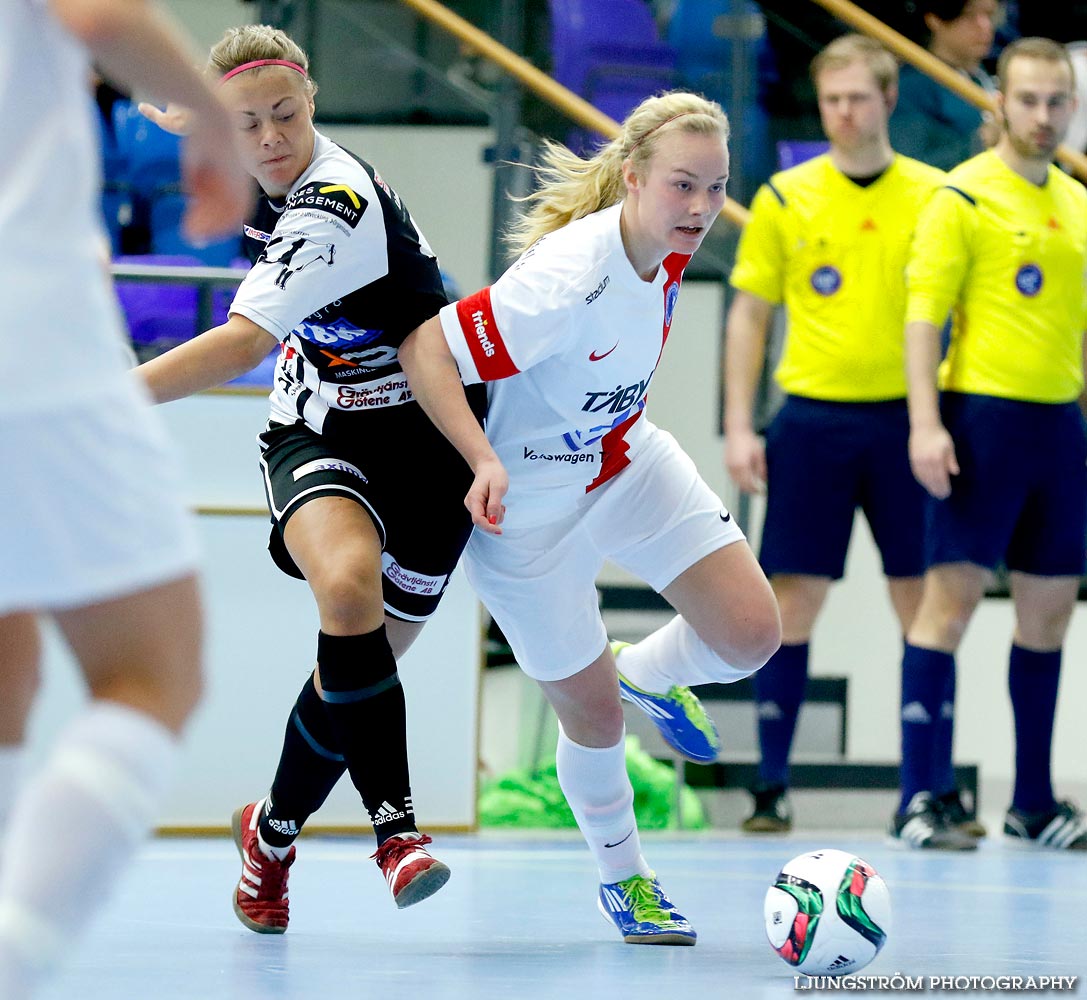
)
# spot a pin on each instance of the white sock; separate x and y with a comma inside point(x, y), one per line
point(674, 654)
point(596, 785)
point(75, 826)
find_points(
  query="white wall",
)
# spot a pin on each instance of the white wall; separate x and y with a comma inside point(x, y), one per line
point(261, 644)
point(206, 20)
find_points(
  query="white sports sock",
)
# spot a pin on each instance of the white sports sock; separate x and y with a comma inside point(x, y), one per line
point(76, 824)
point(595, 783)
point(674, 654)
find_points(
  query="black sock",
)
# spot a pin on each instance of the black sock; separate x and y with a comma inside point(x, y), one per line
point(310, 764)
point(365, 704)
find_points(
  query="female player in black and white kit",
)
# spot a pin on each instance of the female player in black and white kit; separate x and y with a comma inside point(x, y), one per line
point(567, 341)
point(366, 496)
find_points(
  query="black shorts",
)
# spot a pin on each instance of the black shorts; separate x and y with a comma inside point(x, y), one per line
point(415, 496)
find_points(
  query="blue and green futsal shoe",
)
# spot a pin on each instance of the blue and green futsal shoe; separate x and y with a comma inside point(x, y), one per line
point(678, 715)
point(642, 912)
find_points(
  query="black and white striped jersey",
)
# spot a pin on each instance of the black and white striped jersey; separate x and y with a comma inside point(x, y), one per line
point(341, 275)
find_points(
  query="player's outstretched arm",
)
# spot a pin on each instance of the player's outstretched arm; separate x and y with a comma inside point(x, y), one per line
point(138, 48)
point(435, 381)
point(222, 353)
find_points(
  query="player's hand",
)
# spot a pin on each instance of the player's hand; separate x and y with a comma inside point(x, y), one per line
point(745, 459)
point(175, 119)
point(484, 499)
point(932, 458)
point(220, 193)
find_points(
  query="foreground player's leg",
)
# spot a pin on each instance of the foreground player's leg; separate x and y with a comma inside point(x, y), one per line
point(82, 816)
point(19, 683)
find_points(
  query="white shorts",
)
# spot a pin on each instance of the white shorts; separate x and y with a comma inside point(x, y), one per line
point(90, 503)
point(656, 519)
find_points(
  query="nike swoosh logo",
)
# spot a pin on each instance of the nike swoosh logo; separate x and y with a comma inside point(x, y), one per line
point(623, 841)
point(726, 516)
point(600, 357)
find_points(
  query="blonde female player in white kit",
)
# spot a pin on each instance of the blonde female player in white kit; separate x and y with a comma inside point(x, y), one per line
point(571, 471)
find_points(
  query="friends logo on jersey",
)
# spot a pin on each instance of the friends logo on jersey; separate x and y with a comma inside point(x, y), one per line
point(337, 200)
point(294, 255)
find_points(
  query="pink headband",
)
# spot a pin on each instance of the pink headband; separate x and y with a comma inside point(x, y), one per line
point(261, 62)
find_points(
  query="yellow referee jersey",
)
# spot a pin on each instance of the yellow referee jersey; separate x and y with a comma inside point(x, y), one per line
point(1008, 258)
point(835, 254)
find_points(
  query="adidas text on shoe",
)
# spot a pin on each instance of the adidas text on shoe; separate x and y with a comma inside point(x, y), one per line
point(678, 716)
point(642, 912)
point(411, 872)
point(260, 898)
point(1062, 828)
point(958, 809)
point(771, 814)
point(924, 826)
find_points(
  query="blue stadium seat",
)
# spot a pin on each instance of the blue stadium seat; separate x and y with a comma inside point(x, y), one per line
point(717, 50)
point(608, 52)
point(153, 159)
point(159, 316)
point(794, 151)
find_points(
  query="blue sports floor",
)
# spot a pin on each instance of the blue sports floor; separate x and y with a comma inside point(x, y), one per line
point(518, 919)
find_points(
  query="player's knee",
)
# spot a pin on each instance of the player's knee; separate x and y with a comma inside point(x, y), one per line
point(746, 644)
point(349, 597)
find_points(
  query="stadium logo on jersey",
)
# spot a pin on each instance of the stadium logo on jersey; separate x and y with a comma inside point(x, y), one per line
point(826, 280)
point(295, 255)
point(671, 297)
point(256, 234)
point(327, 465)
point(1029, 280)
point(408, 580)
point(333, 199)
point(597, 292)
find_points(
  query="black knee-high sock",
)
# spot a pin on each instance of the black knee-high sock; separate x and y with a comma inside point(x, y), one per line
point(365, 704)
point(310, 764)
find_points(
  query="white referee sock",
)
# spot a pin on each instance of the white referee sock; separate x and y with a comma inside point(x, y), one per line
point(674, 654)
point(596, 785)
point(72, 830)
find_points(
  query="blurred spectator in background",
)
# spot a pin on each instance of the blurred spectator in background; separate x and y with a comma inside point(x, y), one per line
point(931, 123)
point(794, 34)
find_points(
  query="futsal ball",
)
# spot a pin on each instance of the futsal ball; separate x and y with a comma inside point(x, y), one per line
point(827, 913)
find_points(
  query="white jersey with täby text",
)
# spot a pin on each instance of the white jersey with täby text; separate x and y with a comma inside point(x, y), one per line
point(568, 340)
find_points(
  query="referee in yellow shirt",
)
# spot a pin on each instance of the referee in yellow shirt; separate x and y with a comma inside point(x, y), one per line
point(1001, 448)
point(830, 240)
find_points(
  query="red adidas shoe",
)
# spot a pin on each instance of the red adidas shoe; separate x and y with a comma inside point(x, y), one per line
point(260, 900)
point(409, 869)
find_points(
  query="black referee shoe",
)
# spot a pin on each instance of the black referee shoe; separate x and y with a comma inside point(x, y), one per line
point(924, 826)
point(1064, 827)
